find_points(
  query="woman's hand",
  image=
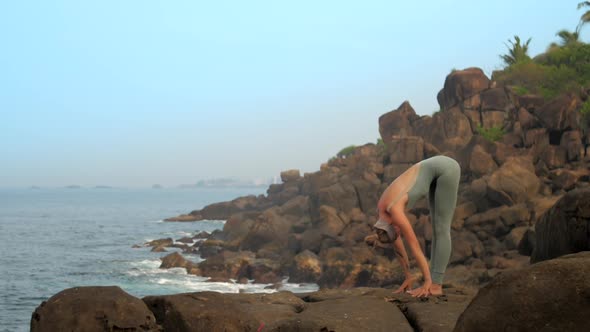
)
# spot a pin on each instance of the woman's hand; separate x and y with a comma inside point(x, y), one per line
point(424, 291)
point(406, 285)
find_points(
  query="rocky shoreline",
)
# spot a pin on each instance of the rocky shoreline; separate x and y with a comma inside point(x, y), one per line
point(524, 198)
point(527, 299)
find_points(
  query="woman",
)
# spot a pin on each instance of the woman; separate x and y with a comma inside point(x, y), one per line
point(437, 177)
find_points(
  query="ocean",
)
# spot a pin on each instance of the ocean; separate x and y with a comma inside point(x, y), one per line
point(53, 239)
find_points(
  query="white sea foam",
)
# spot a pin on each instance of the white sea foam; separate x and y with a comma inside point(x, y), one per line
point(179, 279)
point(221, 222)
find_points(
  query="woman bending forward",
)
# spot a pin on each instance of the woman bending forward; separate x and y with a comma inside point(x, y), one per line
point(437, 178)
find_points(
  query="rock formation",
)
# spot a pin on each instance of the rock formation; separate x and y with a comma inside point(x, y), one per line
point(93, 309)
point(360, 309)
point(553, 295)
point(312, 226)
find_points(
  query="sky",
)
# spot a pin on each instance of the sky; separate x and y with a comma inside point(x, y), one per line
point(138, 92)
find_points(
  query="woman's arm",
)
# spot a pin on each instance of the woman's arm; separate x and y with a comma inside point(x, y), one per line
point(402, 255)
point(408, 233)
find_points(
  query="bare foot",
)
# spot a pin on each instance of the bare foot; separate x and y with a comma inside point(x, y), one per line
point(436, 289)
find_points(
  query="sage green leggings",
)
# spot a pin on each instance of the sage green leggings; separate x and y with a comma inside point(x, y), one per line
point(438, 177)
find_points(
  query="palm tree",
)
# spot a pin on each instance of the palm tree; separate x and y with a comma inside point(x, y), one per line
point(517, 52)
point(569, 38)
point(586, 16)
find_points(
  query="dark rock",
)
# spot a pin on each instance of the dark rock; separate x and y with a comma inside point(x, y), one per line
point(227, 264)
point(201, 235)
point(223, 210)
point(176, 260)
point(407, 149)
point(513, 182)
point(185, 239)
point(306, 267)
point(450, 130)
point(290, 175)
point(161, 248)
point(563, 179)
point(553, 156)
point(210, 248)
point(494, 99)
point(160, 242)
point(465, 245)
point(515, 236)
point(560, 114)
point(282, 311)
point(534, 299)
point(269, 228)
point(536, 136)
point(435, 314)
point(571, 140)
point(460, 85)
point(530, 102)
point(95, 308)
point(397, 122)
point(211, 311)
point(565, 228)
point(184, 218)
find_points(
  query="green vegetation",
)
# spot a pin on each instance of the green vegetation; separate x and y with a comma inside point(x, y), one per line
point(586, 16)
point(347, 151)
point(520, 90)
point(492, 134)
point(563, 68)
point(517, 52)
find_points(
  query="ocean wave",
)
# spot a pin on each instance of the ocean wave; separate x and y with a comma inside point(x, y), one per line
point(149, 271)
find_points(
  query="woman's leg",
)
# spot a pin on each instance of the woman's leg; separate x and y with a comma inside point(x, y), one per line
point(432, 207)
point(445, 197)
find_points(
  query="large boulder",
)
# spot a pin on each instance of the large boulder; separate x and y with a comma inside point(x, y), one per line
point(306, 267)
point(339, 310)
point(565, 228)
point(269, 228)
point(226, 265)
point(548, 296)
point(494, 100)
point(450, 130)
point(290, 175)
point(96, 308)
point(175, 260)
point(460, 85)
point(397, 122)
point(514, 182)
point(560, 114)
point(409, 149)
point(211, 311)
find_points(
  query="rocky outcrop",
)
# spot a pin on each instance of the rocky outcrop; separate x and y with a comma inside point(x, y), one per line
point(360, 309)
point(550, 295)
point(223, 210)
point(96, 308)
point(461, 85)
point(313, 225)
point(565, 228)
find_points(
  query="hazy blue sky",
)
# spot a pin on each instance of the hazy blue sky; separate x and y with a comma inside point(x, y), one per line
point(139, 92)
